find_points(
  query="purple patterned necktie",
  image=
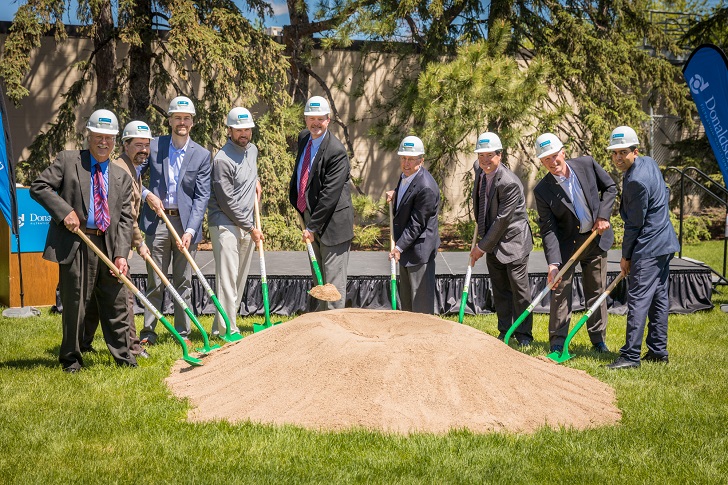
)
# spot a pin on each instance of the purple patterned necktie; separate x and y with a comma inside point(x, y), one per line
point(101, 203)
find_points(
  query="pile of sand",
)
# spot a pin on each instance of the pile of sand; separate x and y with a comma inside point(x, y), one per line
point(392, 371)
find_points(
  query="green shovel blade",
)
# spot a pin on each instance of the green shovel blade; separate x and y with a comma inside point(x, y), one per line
point(560, 357)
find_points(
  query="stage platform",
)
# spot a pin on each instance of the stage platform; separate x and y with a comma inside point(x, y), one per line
point(289, 278)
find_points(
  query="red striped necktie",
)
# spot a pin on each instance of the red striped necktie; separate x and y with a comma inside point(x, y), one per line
point(301, 202)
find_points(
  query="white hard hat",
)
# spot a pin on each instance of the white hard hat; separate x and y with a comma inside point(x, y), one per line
point(622, 137)
point(488, 142)
point(136, 129)
point(315, 106)
point(181, 104)
point(547, 144)
point(240, 118)
point(103, 121)
point(411, 146)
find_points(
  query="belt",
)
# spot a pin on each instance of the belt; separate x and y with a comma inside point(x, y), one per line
point(171, 212)
point(93, 232)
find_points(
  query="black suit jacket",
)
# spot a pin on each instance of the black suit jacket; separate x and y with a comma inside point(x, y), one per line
point(557, 218)
point(415, 220)
point(65, 186)
point(327, 192)
point(507, 233)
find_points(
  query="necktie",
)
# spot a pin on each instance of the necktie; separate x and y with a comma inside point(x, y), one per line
point(301, 202)
point(483, 205)
point(101, 202)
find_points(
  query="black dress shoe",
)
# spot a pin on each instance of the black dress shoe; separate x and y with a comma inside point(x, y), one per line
point(650, 356)
point(501, 336)
point(71, 370)
point(600, 347)
point(524, 342)
point(88, 349)
point(556, 348)
point(622, 363)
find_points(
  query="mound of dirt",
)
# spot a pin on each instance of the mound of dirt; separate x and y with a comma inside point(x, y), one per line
point(392, 371)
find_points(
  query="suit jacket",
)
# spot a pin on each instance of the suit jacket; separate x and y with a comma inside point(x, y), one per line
point(507, 233)
point(136, 196)
point(415, 226)
point(328, 196)
point(193, 187)
point(645, 209)
point(65, 186)
point(557, 218)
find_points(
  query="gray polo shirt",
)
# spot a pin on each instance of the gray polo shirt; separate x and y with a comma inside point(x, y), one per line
point(233, 179)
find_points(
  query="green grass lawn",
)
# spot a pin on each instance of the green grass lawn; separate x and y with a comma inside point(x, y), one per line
point(114, 425)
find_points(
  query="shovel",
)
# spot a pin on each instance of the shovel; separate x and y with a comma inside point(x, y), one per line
point(181, 302)
point(563, 356)
point(229, 336)
point(545, 291)
point(324, 292)
point(468, 274)
point(257, 327)
point(392, 262)
point(185, 355)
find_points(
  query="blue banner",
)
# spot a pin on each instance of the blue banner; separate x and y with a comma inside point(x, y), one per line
point(7, 171)
point(706, 73)
point(33, 222)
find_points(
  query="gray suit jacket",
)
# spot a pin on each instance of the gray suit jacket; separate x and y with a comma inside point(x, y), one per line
point(65, 186)
point(415, 220)
point(557, 218)
point(507, 233)
point(327, 192)
point(193, 187)
point(645, 208)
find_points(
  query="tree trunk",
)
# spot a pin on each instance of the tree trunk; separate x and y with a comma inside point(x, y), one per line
point(298, 49)
point(140, 60)
point(105, 48)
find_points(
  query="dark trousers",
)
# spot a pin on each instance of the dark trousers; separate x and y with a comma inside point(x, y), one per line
point(91, 323)
point(84, 276)
point(511, 294)
point(593, 263)
point(417, 288)
point(648, 302)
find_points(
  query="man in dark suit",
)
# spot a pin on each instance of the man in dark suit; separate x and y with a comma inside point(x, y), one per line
point(84, 191)
point(415, 230)
point(504, 236)
point(179, 185)
point(648, 246)
point(135, 138)
point(319, 190)
point(574, 199)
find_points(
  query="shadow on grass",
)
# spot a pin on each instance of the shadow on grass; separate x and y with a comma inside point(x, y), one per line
point(30, 363)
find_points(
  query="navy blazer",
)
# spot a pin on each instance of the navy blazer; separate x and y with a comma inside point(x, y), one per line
point(415, 223)
point(193, 187)
point(327, 191)
point(65, 186)
point(557, 217)
point(645, 209)
point(507, 233)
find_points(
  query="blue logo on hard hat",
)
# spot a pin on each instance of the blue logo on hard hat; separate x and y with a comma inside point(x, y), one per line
point(485, 140)
point(545, 143)
point(408, 144)
point(618, 135)
point(182, 102)
point(316, 105)
point(243, 116)
point(143, 128)
point(104, 120)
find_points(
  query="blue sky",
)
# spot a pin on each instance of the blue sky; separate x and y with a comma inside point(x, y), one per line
point(280, 11)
